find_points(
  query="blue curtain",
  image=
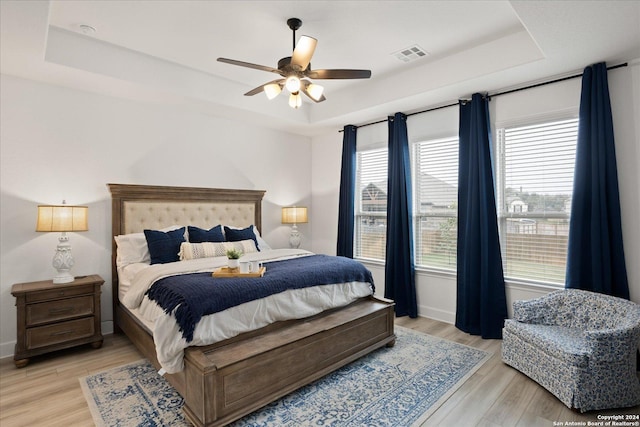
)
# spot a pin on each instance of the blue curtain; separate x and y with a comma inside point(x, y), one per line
point(346, 208)
point(399, 271)
point(595, 259)
point(481, 305)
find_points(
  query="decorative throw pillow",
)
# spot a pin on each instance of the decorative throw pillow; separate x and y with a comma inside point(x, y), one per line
point(213, 249)
point(235, 234)
point(198, 235)
point(132, 248)
point(164, 247)
point(262, 244)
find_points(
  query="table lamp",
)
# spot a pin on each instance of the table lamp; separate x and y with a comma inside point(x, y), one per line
point(62, 218)
point(294, 215)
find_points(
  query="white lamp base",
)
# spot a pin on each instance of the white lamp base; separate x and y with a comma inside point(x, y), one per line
point(63, 277)
point(63, 261)
point(294, 237)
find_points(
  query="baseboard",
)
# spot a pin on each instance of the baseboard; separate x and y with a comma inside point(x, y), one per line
point(437, 314)
point(7, 349)
point(107, 327)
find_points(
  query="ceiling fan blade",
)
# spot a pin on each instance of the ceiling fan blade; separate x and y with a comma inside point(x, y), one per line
point(249, 65)
point(338, 74)
point(304, 90)
point(303, 52)
point(261, 87)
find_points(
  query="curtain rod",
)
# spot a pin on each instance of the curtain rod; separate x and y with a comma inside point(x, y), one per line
point(531, 86)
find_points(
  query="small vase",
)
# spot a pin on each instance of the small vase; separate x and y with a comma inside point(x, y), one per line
point(233, 263)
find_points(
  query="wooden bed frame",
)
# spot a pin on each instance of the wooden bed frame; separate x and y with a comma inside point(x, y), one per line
point(230, 379)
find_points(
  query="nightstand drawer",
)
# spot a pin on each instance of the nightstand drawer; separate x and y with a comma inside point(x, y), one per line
point(69, 308)
point(48, 295)
point(42, 336)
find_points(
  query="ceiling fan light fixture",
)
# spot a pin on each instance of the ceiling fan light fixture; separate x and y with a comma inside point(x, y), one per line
point(272, 90)
point(295, 71)
point(295, 100)
point(293, 84)
point(315, 91)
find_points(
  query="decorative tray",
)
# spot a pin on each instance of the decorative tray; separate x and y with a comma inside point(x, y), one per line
point(235, 272)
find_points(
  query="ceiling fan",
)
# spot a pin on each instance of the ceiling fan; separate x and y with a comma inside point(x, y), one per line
point(296, 71)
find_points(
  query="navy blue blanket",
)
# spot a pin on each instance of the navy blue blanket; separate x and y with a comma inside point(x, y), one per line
point(199, 294)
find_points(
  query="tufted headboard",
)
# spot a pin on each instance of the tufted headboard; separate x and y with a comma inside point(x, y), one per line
point(159, 214)
point(138, 207)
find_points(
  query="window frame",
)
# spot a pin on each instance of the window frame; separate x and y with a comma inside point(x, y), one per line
point(419, 216)
point(359, 213)
point(500, 187)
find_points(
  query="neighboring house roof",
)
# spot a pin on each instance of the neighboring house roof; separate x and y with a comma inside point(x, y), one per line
point(374, 191)
point(434, 192)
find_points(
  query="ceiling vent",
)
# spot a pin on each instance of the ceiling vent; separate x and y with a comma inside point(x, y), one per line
point(410, 53)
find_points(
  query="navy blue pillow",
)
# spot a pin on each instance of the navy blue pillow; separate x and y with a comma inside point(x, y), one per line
point(198, 235)
point(235, 235)
point(164, 247)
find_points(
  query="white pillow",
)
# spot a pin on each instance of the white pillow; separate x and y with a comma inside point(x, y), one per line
point(264, 246)
point(214, 249)
point(132, 248)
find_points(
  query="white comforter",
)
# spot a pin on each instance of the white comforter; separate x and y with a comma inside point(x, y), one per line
point(291, 304)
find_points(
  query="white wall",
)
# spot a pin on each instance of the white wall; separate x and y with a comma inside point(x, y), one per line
point(436, 292)
point(58, 143)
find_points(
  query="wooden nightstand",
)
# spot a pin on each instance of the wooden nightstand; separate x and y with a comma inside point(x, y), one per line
point(56, 316)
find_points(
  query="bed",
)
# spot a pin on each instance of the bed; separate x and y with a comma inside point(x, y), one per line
point(223, 381)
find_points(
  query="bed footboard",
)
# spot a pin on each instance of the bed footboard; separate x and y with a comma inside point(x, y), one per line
point(224, 383)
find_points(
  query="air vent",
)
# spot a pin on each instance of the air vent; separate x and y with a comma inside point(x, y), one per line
point(410, 53)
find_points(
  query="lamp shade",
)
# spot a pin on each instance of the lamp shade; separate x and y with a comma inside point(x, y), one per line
point(62, 218)
point(272, 90)
point(295, 100)
point(315, 91)
point(294, 215)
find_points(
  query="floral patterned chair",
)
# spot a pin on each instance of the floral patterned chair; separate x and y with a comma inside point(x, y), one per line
point(579, 345)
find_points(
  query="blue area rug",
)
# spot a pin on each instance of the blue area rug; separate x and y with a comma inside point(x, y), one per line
point(398, 386)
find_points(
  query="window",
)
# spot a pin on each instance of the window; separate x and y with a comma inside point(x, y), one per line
point(535, 184)
point(435, 183)
point(371, 204)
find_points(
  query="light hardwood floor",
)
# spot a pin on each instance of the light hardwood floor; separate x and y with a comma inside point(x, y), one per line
point(47, 391)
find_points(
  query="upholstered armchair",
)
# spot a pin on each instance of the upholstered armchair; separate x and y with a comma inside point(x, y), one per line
point(579, 345)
